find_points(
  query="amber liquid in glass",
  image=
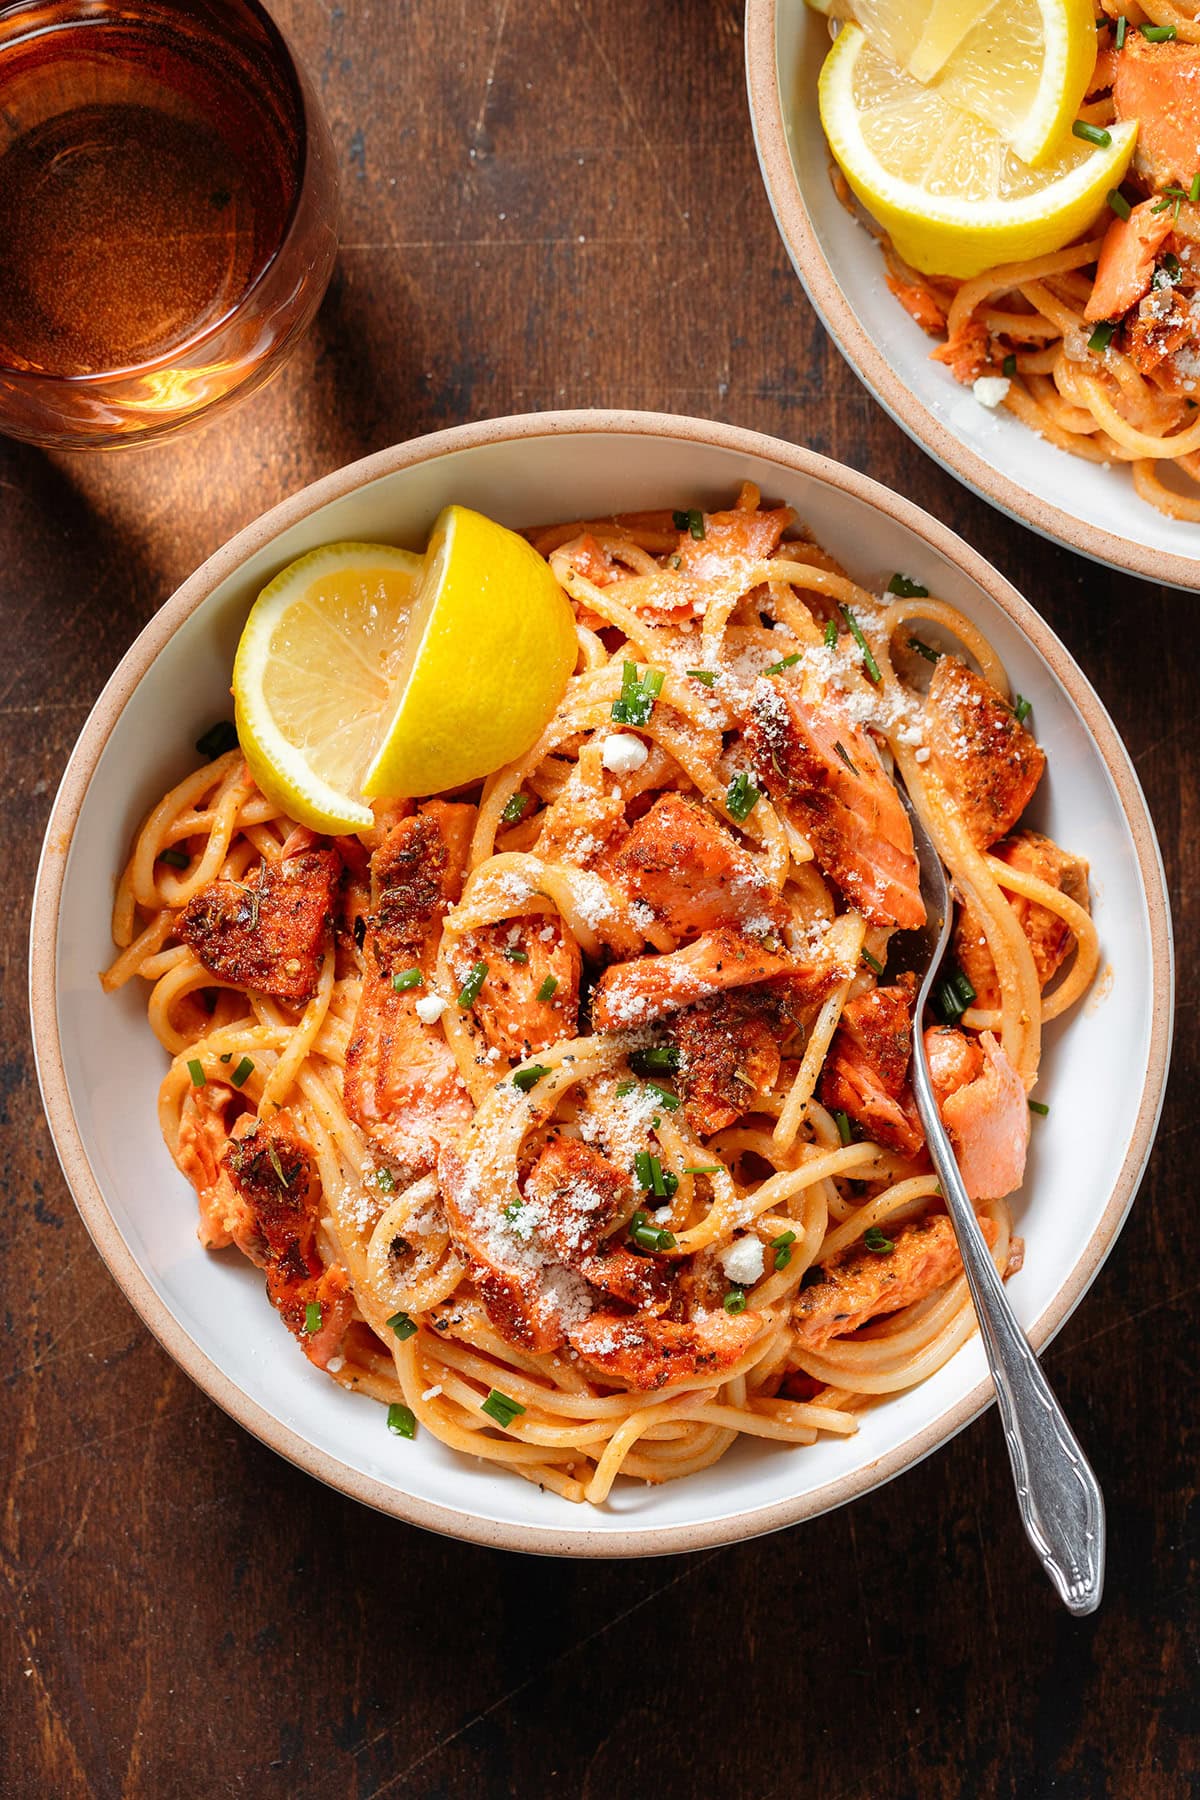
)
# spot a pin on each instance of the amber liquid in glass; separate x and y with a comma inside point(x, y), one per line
point(148, 173)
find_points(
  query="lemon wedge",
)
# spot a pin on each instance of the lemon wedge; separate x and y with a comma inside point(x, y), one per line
point(952, 194)
point(1021, 67)
point(364, 671)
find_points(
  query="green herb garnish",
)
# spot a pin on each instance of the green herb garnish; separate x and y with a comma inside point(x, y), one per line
point(1092, 134)
point(174, 858)
point(785, 662)
point(515, 808)
point(735, 1300)
point(952, 996)
point(856, 631)
point(411, 978)
point(926, 650)
point(312, 1317)
point(403, 1326)
point(528, 1078)
point(741, 797)
point(546, 991)
point(471, 986)
point(705, 677)
point(498, 1406)
point(514, 954)
point(1102, 337)
point(401, 1420)
point(1118, 203)
point(242, 1073)
point(873, 963)
point(692, 520)
point(1039, 1107)
point(635, 702)
point(196, 1071)
point(831, 634)
point(906, 588)
point(875, 1241)
point(842, 1121)
point(1022, 709)
point(1159, 34)
point(1007, 367)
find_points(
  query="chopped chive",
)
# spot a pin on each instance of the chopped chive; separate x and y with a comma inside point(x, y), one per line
point(671, 1102)
point(242, 1073)
point(524, 1079)
point(876, 1242)
point(783, 1240)
point(312, 1317)
point(515, 808)
point(625, 1088)
point(385, 1181)
point(1092, 134)
point(741, 797)
point(635, 702)
point(546, 991)
point(1118, 203)
point(1122, 28)
point(1102, 337)
point(842, 1121)
point(514, 954)
point(1194, 189)
point(651, 1177)
point(175, 858)
point(1172, 266)
point(227, 1056)
point(783, 1257)
point(845, 756)
point(705, 676)
point(663, 1057)
point(1022, 709)
point(498, 1406)
point(873, 963)
point(906, 588)
point(702, 1168)
point(856, 631)
point(218, 739)
point(952, 996)
point(831, 634)
point(735, 1300)
point(641, 1169)
point(472, 985)
point(273, 1158)
point(1039, 1106)
point(785, 662)
point(513, 1209)
point(676, 562)
point(926, 650)
point(401, 1420)
point(1159, 34)
point(411, 978)
point(1007, 367)
point(196, 1071)
point(403, 1326)
point(692, 520)
point(650, 1237)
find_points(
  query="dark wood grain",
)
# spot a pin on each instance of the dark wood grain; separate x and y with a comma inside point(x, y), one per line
point(552, 202)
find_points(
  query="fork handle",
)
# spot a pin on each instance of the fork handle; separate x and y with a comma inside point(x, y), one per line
point(1059, 1498)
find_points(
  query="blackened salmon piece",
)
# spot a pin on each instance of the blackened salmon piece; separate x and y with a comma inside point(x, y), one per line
point(983, 756)
point(866, 1071)
point(861, 1284)
point(269, 933)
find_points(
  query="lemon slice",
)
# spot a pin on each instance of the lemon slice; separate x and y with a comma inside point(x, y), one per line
point(365, 671)
point(1021, 66)
point(490, 646)
point(950, 191)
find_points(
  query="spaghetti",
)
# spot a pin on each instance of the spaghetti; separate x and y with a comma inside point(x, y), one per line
point(568, 1116)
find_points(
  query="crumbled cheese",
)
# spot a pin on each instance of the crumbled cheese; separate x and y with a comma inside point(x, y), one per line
point(991, 390)
point(335, 1363)
point(430, 1008)
point(622, 753)
point(742, 1260)
point(922, 755)
point(433, 1392)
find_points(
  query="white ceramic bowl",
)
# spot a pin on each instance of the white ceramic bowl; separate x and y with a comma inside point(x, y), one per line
point(100, 1066)
point(1084, 505)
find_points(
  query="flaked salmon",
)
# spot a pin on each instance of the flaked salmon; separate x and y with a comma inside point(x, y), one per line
point(866, 1071)
point(692, 873)
point(401, 1081)
point(647, 1353)
point(269, 934)
point(273, 1219)
point(825, 773)
point(631, 994)
point(986, 1116)
point(861, 1284)
point(1159, 86)
point(987, 762)
point(731, 1049)
point(530, 995)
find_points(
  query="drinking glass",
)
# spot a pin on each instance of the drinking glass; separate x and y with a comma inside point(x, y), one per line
point(168, 213)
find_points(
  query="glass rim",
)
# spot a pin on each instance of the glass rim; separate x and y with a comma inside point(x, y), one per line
point(295, 74)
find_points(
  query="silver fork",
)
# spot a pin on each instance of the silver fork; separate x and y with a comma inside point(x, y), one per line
point(1062, 1508)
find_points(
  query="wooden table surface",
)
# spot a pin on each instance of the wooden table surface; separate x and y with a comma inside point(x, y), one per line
point(548, 203)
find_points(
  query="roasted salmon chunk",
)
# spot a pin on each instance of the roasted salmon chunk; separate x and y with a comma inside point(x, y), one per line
point(268, 934)
point(742, 532)
point(1050, 940)
point(401, 1081)
point(693, 874)
point(523, 959)
point(273, 1220)
point(866, 1071)
point(204, 1131)
point(860, 1284)
point(1159, 86)
point(731, 1049)
point(649, 1353)
point(825, 774)
point(983, 1106)
point(630, 994)
point(988, 764)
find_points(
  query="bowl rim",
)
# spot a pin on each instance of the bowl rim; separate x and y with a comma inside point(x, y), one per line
point(155, 1312)
point(873, 369)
